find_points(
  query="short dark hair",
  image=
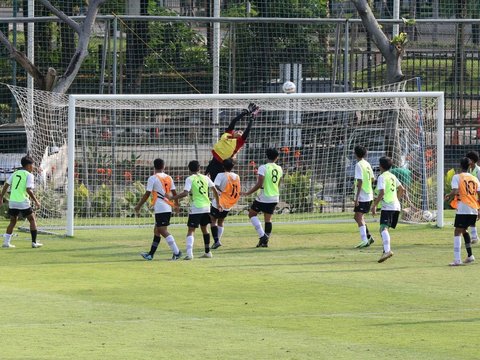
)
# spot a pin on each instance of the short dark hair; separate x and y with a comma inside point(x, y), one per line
point(228, 164)
point(159, 164)
point(194, 166)
point(272, 154)
point(360, 151)
point(385, 162)
point(26, 160)
point(473, 155)
point(465, 163)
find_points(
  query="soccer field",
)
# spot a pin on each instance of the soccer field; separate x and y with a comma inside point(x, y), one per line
point(310, 295)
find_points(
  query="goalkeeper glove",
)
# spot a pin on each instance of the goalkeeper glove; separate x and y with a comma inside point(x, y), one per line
point(253, 109)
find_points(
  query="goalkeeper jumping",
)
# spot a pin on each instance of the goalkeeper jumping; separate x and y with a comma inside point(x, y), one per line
point(230, 142)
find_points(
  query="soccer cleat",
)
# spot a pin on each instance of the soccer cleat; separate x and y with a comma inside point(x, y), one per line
point(263, 241)
point(370, 240)
point(188, 257)
point(362, 244)
point(8, 246)
point(474, 240)
point(456, 263)
point(206, 255)
point(216, 245)
point(469, 259)
point(177, 256)
point(146, 256)
point(36, 245)
point(385, 256)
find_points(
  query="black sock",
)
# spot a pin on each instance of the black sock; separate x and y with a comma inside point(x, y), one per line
point(206, 241)
point(34, 235)
point(368, 232)
point(155, 242)
point(468, 243)
point(268, 228)
point(214, 230)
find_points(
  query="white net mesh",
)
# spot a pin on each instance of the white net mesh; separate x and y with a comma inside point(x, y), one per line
point(116, 142)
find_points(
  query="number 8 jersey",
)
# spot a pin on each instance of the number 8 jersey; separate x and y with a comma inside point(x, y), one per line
point(272, 174)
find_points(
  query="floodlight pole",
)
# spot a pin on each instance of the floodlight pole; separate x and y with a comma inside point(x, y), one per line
point(216, 67)
point(396, 16)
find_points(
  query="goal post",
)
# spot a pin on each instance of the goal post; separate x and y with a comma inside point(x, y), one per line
point(306, 104)
point(95, 152)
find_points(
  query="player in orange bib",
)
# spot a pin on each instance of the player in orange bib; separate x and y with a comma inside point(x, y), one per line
point(159, 186)
point(230, 142)
point(465, 187)
point(228, 184)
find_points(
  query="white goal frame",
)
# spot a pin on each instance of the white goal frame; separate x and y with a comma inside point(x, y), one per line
point(253, 97)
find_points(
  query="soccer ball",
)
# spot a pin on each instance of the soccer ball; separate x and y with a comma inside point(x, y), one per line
point(427, 215)
point(289, 87)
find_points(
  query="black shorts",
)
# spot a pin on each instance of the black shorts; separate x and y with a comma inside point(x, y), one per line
point(463, 221)
point(162, 219)
point(198, 219)
point(214, 168)
point(217, 214)
point(363, 207)
point(24, 212)
point(389, 218)
point(267, 208)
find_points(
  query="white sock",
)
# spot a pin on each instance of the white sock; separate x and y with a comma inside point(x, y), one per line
point(258, 225)
point(363, 232)
point(172, 244)
point(457, 246)
point(6, 238)
point(473, 231)
point(386, 240)
point(220, 232)
point(189, 241)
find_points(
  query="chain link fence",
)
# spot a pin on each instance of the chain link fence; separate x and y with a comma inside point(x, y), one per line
point(261, 45)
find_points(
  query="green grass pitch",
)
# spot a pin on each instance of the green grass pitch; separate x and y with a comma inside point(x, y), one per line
point(310, 295)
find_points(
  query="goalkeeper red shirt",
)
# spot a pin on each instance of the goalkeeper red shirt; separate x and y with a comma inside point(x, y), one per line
point(227, 146)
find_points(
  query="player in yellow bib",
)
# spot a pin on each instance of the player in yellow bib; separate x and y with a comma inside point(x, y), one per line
point(363, 195)
point(230, 142)
point(21, 184)
point(227, 184)
point(390, 191)
point(474, 169)
point(158, 186)
point(268, 181)
point(466, 187)
point(197, 185)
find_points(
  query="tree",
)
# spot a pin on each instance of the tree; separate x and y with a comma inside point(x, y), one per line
point(50, 80)
point(392, 50)
point(257, 49)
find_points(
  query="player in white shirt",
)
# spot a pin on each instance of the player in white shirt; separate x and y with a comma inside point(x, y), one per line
point(197, 185)
point(268, 182)
point(465, 186)
point(21, 184)
point(158, 186)
point(363, 195)
point(390, 190)
point(228, 185)
point(474, 169)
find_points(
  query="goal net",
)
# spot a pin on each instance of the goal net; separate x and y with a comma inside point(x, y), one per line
point(113, 140)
